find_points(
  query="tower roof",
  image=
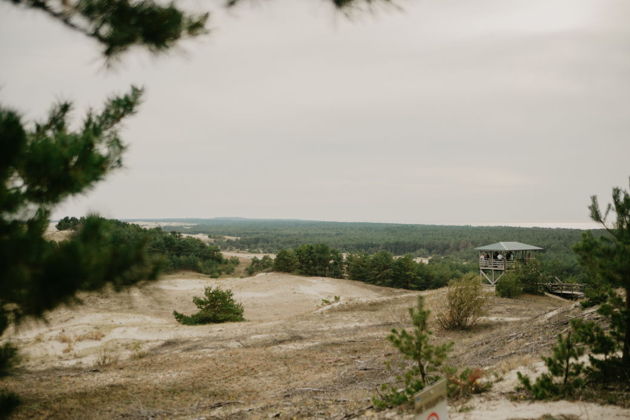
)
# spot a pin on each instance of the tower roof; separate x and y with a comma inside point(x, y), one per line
point(509, 246)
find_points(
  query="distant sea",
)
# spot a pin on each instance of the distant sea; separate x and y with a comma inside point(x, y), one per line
point(562, 225)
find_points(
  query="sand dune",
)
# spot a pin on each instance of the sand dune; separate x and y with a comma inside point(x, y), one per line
point(122, 355)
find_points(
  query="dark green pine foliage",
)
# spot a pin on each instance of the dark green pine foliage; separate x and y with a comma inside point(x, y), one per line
point(177, 252)
point(319, 260)
point(385, 270)
point(358, 266)
point(509, 286)
point(40, 165)
point(121, 24)
point(259, 265)
point(217, 306)
point(8, 400)
point(425, 359)
point(525, 279)
point(564, 371)
point(43, 163)
point(169, 250)
point(404, 274)
point(285, 261)
point(68, 223)
point(607, 259)
point(346, 5)
point(381, 268)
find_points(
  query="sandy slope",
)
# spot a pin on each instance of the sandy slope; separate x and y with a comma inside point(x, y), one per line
point(142, 316)
point(124, 356)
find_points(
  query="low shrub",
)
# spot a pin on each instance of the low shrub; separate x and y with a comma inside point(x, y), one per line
point(69, 223)
point(509, 286)
point(217, 306)
point(465, 301)
point(327, 302)
point(259, 265)
point(285, 261)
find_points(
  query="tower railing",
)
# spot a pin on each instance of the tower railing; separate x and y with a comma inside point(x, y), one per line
point(497, 264)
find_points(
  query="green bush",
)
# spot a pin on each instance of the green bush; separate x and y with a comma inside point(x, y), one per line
point(526, 278)
point(466, 302)
point(319, 260)
point(217, 306)
point(509, 286)
point(285, 261)
point(530, 276)
point(259, 265)
point(68, 223)
point(170, 250)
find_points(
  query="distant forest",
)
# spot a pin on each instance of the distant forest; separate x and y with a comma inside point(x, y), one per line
point(399, 239)
point(169, 251)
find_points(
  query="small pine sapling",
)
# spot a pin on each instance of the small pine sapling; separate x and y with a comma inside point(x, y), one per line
point(564, 371)
point(426, 359)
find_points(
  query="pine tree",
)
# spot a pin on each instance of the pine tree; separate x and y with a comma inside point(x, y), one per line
point(43, 163)
point(425, 357)
point(217, 306)
point(40, 165)
point(607, 259)
point(285, 261)
point(563, 377)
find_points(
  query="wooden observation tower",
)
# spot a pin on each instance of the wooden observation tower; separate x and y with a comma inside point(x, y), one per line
point(496, 259)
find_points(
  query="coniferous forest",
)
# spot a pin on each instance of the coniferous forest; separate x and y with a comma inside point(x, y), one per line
point(169, 251)
point(456, 243)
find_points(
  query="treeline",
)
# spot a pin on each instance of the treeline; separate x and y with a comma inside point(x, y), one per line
point(381, 268)
point(170, 250)
point(558, 258)
point(399, 239)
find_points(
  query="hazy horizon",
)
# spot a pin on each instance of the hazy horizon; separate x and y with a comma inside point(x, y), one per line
point(493, 111)
point(560, 225)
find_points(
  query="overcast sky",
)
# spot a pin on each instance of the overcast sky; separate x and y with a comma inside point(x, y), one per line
point(448, 111)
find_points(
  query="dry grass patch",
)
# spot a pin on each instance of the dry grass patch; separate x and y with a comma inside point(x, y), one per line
point(106, 357)
point(63, 338)
point(550, 417)
point(94, 335)
point(311, 365)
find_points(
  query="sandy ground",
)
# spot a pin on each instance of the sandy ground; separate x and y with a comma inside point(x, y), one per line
point(52, 234)
point(246, 255)
point(143, 315)
point(124, 356)
point(151, 225)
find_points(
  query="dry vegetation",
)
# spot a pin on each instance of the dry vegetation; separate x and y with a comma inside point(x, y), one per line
point(293, 358)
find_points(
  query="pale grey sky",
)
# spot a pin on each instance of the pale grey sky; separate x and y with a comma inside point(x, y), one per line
point(449, 111)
